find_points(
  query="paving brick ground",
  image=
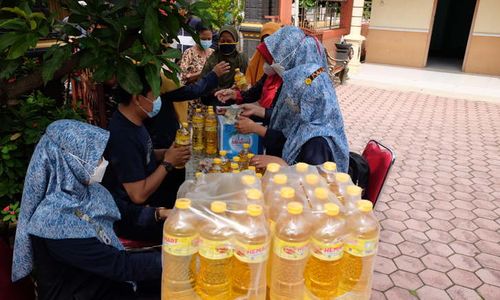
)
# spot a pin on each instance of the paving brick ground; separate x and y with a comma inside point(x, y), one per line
point(440, 210)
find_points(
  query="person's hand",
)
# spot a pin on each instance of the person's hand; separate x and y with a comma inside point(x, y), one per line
point(245, 125)
point(261, 161)
point(253, 110)
point(162, 213)
point(225, 95)
point(221, 68)
point(177, 156)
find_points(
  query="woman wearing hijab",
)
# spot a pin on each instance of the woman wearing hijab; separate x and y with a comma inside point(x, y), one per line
point(65, 230)
point(307, 121)
point(255, 69)
point(226, 51)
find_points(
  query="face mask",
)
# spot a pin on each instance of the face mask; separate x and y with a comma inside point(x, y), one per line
point(268, 70)
point(278, 68)
point(205, 44)
point(227, 49)
point(156, 107)
point(99, 172)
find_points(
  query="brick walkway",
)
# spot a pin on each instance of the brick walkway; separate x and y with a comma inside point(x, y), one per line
point(440, 210)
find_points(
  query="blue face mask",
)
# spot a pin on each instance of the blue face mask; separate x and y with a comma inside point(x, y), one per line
point(205, 44)
point(156, 107)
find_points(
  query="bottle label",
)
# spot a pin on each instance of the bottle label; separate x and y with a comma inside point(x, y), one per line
point(180, 246)
point(327, 251)
point(246, 253)
point(291, 250)
point(361, 247)
point(215, 249)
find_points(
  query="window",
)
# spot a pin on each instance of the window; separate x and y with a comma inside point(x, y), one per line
point(315, 14)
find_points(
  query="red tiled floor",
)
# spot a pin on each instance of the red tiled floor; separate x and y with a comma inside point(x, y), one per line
point(440, 209)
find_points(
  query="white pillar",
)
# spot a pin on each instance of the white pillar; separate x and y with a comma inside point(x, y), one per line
point(355, 37)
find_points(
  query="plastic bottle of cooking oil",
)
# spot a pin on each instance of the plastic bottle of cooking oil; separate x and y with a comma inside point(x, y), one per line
point(249, 181)
point(319, 199)
point(322, 274)
point(342, 180)
point(311, 182)
point(240, 80)
point(327, 170)
point(225, 162)
point(271, 170)
point(235, 167)
point(351, 197)
point(273, 191)
point(360, 248)
point(244, 156)
point(215, 252)
point(211, 133)
point(250, 255)
point(182, 138)
point(198, 123)
point(253, 169)
point(180, 244)
point(287, 195)
point(290, 251)
point(254, 196)
point(237, 160)
point(216, 166)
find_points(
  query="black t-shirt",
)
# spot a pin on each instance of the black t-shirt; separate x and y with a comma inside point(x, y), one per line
point(131, 157)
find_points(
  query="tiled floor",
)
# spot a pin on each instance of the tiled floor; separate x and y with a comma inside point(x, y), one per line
point(440, 210)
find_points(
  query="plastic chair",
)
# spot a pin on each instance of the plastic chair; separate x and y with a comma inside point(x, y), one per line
point(380, 158)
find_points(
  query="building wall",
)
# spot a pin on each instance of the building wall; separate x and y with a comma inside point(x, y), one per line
point(483, 53)
point(399, 32)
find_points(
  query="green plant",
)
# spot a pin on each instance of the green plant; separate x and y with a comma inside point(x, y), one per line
point(10, 213)
point(118, 37)
point(21, 126)
point(226, 12)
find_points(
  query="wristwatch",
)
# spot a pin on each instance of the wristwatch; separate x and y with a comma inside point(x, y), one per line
point(168, 166)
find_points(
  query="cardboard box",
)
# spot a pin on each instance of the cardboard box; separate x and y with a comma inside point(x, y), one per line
point(231, 141)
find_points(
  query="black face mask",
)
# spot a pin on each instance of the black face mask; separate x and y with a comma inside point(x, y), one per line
point(227, 48)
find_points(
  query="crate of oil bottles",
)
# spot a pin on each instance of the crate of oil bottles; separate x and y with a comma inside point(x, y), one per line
point(299, 232)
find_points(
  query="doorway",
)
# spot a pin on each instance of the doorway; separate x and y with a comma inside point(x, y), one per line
point(450, 34)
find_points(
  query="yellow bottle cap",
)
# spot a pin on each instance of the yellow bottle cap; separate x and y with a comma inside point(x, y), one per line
point(246, 145)
point(218, 206)
point(211, 112)
point(185, 124)
point(250, 155)
point(217, 161)
point(321, 193)
point(254, 210)
point(342, 177)
point(353, 190)
point(236, 171)
point(251, 168)
point(254, 194)
point(301, 167)
point(248, 180)
point(223, 153)
point(363, 205)
point(294, 208)
point(280, 179)
point(330, 166)
point(312, 179)
point(198, 110)
point(273, 167)
point(234, 166)
point(259, 175)
point(183, 203)
point(331, 209)
point(237, 70)
point(198, 174)
point(287, 192)
point(236, 159)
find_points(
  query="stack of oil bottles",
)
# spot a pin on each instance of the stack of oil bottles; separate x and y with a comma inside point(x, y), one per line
point(299, 232)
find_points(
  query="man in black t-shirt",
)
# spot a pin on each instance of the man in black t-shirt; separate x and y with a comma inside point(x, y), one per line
point(136, 170)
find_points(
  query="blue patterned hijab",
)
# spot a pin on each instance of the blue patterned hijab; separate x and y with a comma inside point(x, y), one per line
point(57, 201)
point(304, 111)
point(291, 47)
